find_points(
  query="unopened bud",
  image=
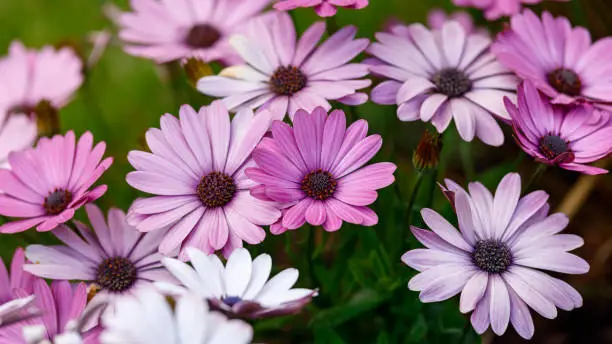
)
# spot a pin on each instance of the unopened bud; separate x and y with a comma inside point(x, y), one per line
point(427, 154)
point(47, 119)
point(196, 70)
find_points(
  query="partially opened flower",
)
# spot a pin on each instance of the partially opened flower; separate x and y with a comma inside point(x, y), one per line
point(285, 75)
point(150, 319)
point(196, 172)
point(441, 75)
point(324, 8)
point(496, 258)
point(315, 170)
point(48, 183)
point(17, 310)
point(172, 30)
point(568, 137)
point(116, 258)
point(495, 9)
point(17, 132)
point(559, 60)
point(241, 288)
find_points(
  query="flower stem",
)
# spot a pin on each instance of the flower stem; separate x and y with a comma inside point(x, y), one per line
point(413, 196)
point(332, 25)
point(311, 251)
point(467, 160)
point(535, 177)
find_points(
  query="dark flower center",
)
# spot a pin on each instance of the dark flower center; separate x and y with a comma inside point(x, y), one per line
point(231, 300)
point(202, 36)
point(551, 146)
point(452, 82)
point(116, 274)
point(216, 189)
point(57, 201)
point(492, 256)
point(319, 185)
point(565, 81)
point(287, 81)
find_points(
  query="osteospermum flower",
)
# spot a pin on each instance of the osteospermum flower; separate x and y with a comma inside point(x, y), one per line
point(567, 137)
point(495, 9)
point(189, 321)
point(324, 8)
point(17, 310)
point(48, 183)
point(441, 75)
point(438, 17)
point(196, 170)
point(496, 258)
point(315, 169)
point(116, 258)
point(559, 60)
point(30, 76)
point(171, 30)
point(241, 288)
point(284, 75)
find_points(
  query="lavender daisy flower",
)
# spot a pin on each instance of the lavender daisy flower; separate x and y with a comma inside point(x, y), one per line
point(496, 258)
point(190, 321)
point(48, 183)
point(241, 288)
point(559, 60)
point(18, 283)
point(171, 30)
point(17, 310)
point(440, 75)
point(196, 172)
point(567, 137)
point(315, 169)
point(495, 9)
point(324, 8)
point(285, 75)
point(116, 258)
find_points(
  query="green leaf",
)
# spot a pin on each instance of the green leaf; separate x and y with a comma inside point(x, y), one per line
point(418, 331)
point(363, 301)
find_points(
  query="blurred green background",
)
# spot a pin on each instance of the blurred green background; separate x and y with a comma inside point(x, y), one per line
point(363, 298)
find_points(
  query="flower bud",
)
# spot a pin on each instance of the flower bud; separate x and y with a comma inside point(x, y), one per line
point(427, 154)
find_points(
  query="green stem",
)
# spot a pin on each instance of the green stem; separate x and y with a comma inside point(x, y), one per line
point(536, 176)
point(467, 160)
point(89, 97)
point(413, 196)
point(332, 25)
point(311, 251)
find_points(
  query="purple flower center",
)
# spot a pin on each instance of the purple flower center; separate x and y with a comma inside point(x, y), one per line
point(57, 201)
point(116, 274)
point(319, 185)
point(202, 36)
point(216, 189)
point(287, 81)
point(565, 81)
point(492, 256)
point(231, 300)
point(452, 82)
point(551, 146)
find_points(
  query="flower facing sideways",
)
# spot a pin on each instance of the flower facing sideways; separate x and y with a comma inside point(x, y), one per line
point(496, 258)
point(324, 8)
point(495, 9)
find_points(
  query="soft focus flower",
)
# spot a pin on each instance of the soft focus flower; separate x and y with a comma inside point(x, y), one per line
point(495, 9)
point(47, 184)
point(18, 283)
point(241, 289)
point(196, 170)
point(554, 135)
point(496, 258)
point(442, 75)
point(315, 169)
point(17, 132)
point(115, 257)
point(171, 30)
point(150, 319)
point(558, 59)
point(286, 75)
point(438, 17)
point(17, 310)
point(324, 8)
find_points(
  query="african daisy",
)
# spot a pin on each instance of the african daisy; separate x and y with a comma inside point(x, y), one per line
point(495, 9)
point(17, 310)
point(324, 8)
point(17, 132)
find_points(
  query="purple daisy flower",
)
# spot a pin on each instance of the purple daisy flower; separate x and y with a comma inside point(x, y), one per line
point(196, 170)
point(15, 289)
point(285, 75)
point(324, 8)
point(496, 258)
point(17, 310)
point(170, 30)
point(495, 9)
point(240, 288)
point(48, 183)
point(116, 258)
point(440, 75)
point(559, 60)
point(315, 170)
point(554, 135)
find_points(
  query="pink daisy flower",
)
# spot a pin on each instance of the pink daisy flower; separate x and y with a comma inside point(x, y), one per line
point(14, 291)
point(324, 8)
point(495, 9)
point(17, 310)
point(496, 258)
point(316, 170)
point(17, 132)
point(48, 183)
point(167, 30)
point(196, 172)
point(553, 135)
point(558, 59)
point(441, 75)
point(284, 75)
point(116, 258)
point(438, 17)
point(30, 76)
